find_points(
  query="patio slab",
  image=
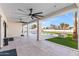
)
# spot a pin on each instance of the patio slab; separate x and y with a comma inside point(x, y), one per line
point(28, 46)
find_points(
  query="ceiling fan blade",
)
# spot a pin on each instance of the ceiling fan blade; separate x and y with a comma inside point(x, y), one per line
point(21, 22)
point(39, 16)
point(17, 22)
point(38, 13)
point(22, 10)
point(36, 17)
point(21, 14)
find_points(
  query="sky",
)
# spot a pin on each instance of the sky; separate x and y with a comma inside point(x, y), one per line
point(66, 18)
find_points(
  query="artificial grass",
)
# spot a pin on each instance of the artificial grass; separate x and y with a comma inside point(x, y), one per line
point(67, 41)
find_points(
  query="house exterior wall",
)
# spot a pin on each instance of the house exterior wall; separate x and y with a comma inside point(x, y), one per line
point(2, 19)
point(14, 29)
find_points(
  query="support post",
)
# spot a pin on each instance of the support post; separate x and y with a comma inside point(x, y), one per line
point(38, 30)
point(1, 32)
point(27, 30)
point(22, 34)
point(78, 30)
point(75, 35)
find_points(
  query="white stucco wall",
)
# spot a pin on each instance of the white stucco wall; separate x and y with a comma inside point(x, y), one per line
point(14, 29)
point(2, 19)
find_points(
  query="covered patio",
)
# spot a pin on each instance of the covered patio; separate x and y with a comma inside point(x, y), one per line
point(35, 45)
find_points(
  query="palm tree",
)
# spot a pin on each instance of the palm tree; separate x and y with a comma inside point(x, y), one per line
point(64, 26)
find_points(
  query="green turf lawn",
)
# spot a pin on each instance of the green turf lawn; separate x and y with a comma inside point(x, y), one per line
point(67, 41)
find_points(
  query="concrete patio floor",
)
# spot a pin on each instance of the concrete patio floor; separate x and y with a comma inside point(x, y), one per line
point(28, 46)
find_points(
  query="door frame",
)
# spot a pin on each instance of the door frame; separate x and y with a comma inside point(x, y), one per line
point(5, 29)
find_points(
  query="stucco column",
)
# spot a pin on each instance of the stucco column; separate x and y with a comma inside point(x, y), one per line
point(27, 30)
point(38, 30)
point(22, 28)
point(1, 39)
point(0, 31)
point(75, 35)
point(78, 29)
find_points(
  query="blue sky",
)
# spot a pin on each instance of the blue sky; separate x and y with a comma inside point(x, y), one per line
point(67, 18)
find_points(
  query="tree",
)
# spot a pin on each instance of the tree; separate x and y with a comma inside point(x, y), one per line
point(53, 26)
point(33, 26)
point(64, 26)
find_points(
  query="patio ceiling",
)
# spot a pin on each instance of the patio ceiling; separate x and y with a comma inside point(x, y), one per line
point(12, 13)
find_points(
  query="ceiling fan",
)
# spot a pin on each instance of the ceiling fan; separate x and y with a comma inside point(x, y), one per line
point(20, 21)
point(31, 14)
